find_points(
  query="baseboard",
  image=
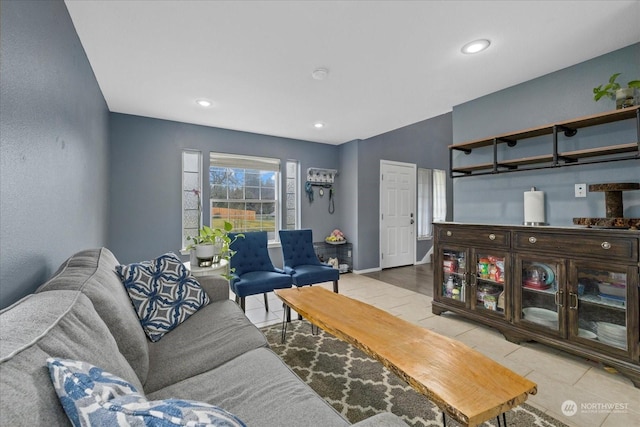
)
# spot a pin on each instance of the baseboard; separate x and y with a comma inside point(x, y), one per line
point(368, 270)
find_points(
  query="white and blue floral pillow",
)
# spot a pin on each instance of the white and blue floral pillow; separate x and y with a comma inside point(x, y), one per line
point(93, 397)
point(163, 292)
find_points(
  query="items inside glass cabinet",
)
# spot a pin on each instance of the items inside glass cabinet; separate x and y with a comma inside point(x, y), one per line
point(601, 305)
point(490, 283)
point(455, 269)
point(540, 294)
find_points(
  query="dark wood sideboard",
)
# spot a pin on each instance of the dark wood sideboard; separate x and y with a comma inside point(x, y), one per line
point(571, 288)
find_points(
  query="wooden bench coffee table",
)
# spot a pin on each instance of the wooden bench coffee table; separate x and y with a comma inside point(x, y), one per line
point(465, 384)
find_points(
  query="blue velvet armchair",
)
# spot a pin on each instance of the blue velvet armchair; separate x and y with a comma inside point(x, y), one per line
point(301, 262)
point(252, 270)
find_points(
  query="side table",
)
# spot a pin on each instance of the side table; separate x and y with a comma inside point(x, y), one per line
point(211, 280)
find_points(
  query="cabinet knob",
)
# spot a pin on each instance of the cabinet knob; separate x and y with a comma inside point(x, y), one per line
point(492, 236)
point(605, 245)
point(532, 239)
point(449, 233)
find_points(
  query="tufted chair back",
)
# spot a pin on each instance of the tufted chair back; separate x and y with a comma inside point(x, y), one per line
point(301, 262)
point(251, 254)
point(297, 248)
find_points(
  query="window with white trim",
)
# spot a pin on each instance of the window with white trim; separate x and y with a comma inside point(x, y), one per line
point(191, 194)
point(432, 200)
point(245, 191)
point(292, 217)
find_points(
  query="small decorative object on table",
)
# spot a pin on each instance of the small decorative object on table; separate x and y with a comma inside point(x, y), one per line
point(336, 238)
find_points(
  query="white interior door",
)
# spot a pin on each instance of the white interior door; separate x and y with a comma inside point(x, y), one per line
point(397, 213)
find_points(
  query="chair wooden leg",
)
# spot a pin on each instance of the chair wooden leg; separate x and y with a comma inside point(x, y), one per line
point(242, 306)
point(266, 302)
point(335, 286)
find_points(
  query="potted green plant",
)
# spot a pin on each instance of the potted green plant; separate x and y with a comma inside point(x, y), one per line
point(624, 96)
point(212, 244)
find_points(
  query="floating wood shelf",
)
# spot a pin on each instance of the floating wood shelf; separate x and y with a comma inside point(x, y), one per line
point(601, 154)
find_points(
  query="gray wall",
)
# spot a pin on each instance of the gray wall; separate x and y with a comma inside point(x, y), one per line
point(348, 195)
point(561, 95)
point(424, 144)
point(53, 140)
point(145, 198)
point(144, 201)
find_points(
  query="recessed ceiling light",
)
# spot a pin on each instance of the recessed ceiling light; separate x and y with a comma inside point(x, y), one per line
point(204, 102)
point(476, 46)
point(320, 73)
point(318, 125)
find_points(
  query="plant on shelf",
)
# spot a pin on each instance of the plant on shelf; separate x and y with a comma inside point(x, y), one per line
point(213, 244)
point(624, 96)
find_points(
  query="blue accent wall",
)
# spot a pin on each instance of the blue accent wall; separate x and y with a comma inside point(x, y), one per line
point(53, 141)
point(558, 96)
point(145, 194)
point(145, 199)
point(424, 144)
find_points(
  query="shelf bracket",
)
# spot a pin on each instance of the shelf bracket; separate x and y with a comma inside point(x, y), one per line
point(463, 172)
point(568, 132)
point(466, 151)
point(510, 142)
point(567, 159)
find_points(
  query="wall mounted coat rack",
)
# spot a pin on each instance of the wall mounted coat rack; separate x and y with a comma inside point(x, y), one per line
point(321, 176)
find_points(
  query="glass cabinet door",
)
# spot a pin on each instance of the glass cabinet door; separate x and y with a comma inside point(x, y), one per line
point(489, 280)
point(540, 295)
point(454, 275)
point(598, 305)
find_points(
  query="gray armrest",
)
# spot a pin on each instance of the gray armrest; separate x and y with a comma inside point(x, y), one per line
point(217, 287)
point(385, 419)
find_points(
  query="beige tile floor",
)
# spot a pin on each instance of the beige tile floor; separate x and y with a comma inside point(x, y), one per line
point(559, 375)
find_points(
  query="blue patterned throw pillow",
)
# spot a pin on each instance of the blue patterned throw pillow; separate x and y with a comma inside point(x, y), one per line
point(163, 292)
point(93, 397)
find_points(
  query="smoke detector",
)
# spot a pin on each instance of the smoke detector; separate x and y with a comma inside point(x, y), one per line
point(320, 73)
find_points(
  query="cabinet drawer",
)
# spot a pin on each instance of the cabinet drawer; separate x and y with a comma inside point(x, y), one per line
point(607, 247)
point(474, 236)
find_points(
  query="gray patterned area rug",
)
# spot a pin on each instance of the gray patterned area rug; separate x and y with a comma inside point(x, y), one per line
point(359, 387)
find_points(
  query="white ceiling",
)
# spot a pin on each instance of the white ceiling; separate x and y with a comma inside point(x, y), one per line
point(391, 63)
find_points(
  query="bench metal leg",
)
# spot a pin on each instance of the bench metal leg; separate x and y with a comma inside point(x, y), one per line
point(504, 419)
point(286, 318)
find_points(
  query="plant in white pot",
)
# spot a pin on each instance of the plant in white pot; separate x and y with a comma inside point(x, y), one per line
point(624, 96)
point(212, 244)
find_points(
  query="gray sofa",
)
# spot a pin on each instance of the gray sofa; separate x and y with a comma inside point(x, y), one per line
point(216, 356)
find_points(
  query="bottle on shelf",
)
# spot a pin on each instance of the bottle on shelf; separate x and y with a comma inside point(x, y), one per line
point(463, 290)
point(450, 287)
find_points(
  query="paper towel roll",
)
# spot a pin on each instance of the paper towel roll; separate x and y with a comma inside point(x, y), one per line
point(534, 207)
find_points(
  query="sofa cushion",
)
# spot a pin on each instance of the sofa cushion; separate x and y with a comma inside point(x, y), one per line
point(261, 390)
point(163, 292)
point(93, 397)
point(50, 324)
point(214, 335)
point(93, 272)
